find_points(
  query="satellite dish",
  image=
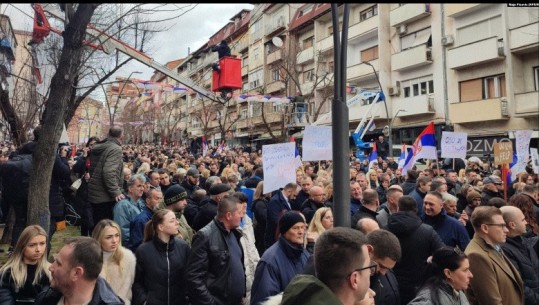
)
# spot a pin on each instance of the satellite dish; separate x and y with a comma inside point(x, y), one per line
point(278, 42)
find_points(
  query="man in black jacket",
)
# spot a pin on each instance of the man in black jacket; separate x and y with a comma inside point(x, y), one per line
point(215, 272)
point(521, 253)
point(386, 253)
point(75, 276)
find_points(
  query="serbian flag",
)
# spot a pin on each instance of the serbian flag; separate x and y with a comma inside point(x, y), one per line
point(204, 146)
point(374, 156)
point(402, 158)
point(424, 148)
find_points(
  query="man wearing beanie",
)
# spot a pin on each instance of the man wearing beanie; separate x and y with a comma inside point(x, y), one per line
point(208, 211)
point(176, 200)
point(283, 260)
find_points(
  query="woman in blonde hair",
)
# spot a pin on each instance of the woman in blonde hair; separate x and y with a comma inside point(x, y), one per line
point(118, 262)
point(322, 221)
point(26, 272)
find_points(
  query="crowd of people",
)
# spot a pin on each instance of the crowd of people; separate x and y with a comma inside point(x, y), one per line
point(166, 225)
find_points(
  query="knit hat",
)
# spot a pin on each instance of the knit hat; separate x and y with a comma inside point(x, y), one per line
point(472, 195)
point(219, 188)
point(288, 220)
point(174, 194)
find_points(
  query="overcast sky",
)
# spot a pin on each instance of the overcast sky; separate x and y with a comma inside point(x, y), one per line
point(191, 30)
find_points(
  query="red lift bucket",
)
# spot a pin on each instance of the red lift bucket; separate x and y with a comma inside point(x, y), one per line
point(229, 77)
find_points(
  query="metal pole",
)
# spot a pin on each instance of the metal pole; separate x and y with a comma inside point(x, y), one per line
point(390, 141)
point(340, 124)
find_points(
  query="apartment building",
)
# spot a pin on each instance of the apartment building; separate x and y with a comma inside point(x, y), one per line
point(86, 122)
point(468, 67)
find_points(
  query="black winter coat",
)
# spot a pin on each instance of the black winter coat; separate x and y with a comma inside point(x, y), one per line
point(418, 242)
point(260, 213)
point(9, 294)
point(160, 276)
point(386, 288)
point(525, 260)
point(103, 295)
point(205, 214)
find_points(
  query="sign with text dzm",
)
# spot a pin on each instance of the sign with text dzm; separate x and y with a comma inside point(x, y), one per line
point(317, 143)
point(278, 161)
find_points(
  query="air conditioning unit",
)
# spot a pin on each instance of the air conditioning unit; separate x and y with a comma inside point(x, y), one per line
point(402, 29)
point(447, 40)
point(392, 91)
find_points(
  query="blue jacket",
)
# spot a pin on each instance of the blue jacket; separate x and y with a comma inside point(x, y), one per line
point(137, 227)
point(276, 205)
point(124, 211)
point(450, 230)
point(276, 268)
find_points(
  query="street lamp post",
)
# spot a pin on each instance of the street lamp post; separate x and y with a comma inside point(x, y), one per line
point(390, 130)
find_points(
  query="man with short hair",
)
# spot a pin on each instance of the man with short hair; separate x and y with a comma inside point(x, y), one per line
point(410, 183)
point(393, 195)
point(136, 229)
point(215, 271)
point(106, 179)
point(492, 187)
point(208, 210)
point(450, 230)
point(361, 178)
point(521, 253)
point(303, 195)
point(386, 252)
point(367, 225)
point(75, 276)
point(278, 204)
point(368, 207)
point(283, 260)
point(356, 195)
point(164, 179)
point(382, 148)
point(153, 180)
point(423, 187)
point(127, 209)
point(317, 199)
point(343, 269)
point(496, 281)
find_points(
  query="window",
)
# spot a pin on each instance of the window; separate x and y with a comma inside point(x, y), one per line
point(423, 86)
point(308, 76)
point(256, 53)
point(330, 28)
point(307, 43)
point(368, 13)
point(243, 114)
point(369, 54)
point(481, 30)
point(536, 76)
point(257, 109)
point(275, 75)
point(306, 10)
point(256, 30)
point(482, 88)
point(255, 79)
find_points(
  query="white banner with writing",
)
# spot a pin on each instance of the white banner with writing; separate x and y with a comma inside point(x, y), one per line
point(317, 143)
point(454, 144)
point(279, 165)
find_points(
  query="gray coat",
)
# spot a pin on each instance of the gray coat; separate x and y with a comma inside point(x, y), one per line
point(446, 296)
point(106, 164)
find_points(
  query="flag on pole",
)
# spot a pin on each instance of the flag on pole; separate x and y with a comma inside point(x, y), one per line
point(424, 148)
point(204, 146)
point(402, 158)
point(374, 156)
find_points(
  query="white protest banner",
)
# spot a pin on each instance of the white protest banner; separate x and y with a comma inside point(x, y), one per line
point(317, 143)
point(535, 159)
point(279, 165)
point(522, 143)
point(454, 144)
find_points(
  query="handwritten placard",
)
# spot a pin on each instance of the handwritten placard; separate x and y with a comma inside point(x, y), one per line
point(454, 144)
point(317, 143)
point(535, 159)
point(522, 143)
point(503, 153)
point(279, 165)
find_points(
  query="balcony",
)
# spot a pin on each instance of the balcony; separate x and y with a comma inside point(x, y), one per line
point(273, 117)
point(467, 55)
point(275, 26)
point(241, 45)
point(274, 56)
point(417, 105)
point(325, 44)
point(456, 10)
point(526, 104)
point(305, 56)
point(408, 13)
point(411, 58)
point(324, 81)
point(524, 39)
point(361, 71)
point(307, 87)
point(363, 27)
point(478, 111)
point(275, 86)
point(244, 70)
point(357, 111)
